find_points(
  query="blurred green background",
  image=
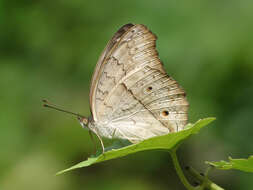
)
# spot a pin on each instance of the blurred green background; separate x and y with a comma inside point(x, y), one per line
point(48, 49)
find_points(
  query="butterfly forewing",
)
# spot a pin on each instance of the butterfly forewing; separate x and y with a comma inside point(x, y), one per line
point(131, 91)
point(101, 62)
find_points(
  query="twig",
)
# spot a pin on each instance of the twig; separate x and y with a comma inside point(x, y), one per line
point(179, 170)
point(202, 179)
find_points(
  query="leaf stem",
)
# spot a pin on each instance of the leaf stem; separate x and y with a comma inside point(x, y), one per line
point(208, 183)
point(179, 170)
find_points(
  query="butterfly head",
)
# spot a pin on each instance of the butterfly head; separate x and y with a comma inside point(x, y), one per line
point(83, 121)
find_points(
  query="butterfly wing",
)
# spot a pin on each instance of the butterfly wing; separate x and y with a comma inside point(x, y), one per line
point(131, 91)
point(101, 61)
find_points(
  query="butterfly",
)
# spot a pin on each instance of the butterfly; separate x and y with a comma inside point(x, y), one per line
point(131, 96)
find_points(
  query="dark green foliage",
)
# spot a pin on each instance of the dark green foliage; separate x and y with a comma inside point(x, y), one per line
point(48, 49)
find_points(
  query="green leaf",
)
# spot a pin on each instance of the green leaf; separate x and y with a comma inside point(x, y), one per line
point(245, 165)
point(165, 142)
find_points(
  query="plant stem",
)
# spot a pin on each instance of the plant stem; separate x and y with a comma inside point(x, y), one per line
point(208, 183)
point(179, 170)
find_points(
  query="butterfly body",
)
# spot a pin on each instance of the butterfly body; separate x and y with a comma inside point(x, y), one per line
point(131, 96)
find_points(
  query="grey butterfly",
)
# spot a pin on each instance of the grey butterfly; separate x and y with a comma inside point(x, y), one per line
point(131, 96)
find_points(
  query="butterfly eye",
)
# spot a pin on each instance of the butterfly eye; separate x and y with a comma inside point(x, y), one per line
point(165, 113)
point(149, 89)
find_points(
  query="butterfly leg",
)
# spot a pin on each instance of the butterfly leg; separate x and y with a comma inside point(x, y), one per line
point(101, 142)
point(113, 134)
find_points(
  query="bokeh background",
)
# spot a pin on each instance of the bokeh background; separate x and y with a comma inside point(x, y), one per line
point(48, 49)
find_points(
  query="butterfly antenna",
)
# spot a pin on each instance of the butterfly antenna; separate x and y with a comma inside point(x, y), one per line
point(47, 104)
